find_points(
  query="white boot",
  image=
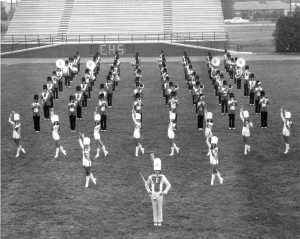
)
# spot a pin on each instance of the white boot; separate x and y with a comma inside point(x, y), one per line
point(221, 180)
point(93, 178)
point(212, 180)
point(172, 151)
point(287, 148)
point(98, 153)
point(56, 153)
point(18, 152)
point(104, 151)
point(176, 148)
point(63, 150)
point(87, 180)
point(142, 149)
point(246, 149)
point(136, 151)
point(23, 150)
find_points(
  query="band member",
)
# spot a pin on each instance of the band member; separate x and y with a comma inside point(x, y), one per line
point(252, 83)
point(59, 75)
point(232, 104)
point(97, 118)
point(56, 136)
point(36, 108)
point(244, 115)
point(224, 98)
point(238, 77)
point(109, 89)
point(83, 87)
point(88, 82)
point(138, 104)
point(55, 85)
point(264, 102)
point(46, 102)
point(171, 134)
point(208, 129)
point(84, 143)
point(50, 90)
point(214, 160)
point(102, 104)
point(157, 186)
point(72, 112)
point(77, 60)
point(257, 91)
point(14, 120)
point(78, 99)
point(136, 117)
point(103, 91)
point(246, 76)
point(67, 73)
point(286, 131)
point(200, 111)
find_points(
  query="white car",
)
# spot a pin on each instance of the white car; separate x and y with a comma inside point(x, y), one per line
point(236, 20)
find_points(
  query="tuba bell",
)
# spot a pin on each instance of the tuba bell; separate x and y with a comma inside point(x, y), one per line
point(241, 62)
point(90, 65)
point(215, 61)
point(60, 63)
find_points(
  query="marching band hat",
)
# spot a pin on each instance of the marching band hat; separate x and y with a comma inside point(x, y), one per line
point(44, 87)
point(86, 141)
point(49, 78)
point(97, 117)
point(157, 164)
point(16, 117)
point(246, 114)
point(55, 118)
point(78, 88)
point(36, 97)
point(214, 140)
point(287, 115)
point(209, 115)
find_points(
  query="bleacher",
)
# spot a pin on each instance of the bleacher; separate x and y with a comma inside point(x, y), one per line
point(36, 17)
point(111, 19)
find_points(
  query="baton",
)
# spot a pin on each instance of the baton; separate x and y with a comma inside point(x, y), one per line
point(146, 185)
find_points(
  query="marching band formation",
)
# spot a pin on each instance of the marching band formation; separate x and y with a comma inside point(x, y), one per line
point(157, 185)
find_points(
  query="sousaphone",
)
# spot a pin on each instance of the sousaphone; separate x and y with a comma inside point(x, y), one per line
point(90, 65)
point(60, 63)
point(215, 61)
point(241, 62)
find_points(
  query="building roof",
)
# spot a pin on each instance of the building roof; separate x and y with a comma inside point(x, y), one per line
point(256, 5)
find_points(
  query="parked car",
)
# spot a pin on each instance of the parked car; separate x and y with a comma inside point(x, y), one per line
point(236, 20)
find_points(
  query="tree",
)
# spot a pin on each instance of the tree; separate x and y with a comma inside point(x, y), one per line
point(287, 34)
point(4, 15)
point(227, 6)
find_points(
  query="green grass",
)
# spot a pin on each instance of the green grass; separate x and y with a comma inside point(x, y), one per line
point(46, 198)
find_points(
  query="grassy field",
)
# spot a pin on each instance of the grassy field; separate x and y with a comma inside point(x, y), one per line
point(46, 198)
point(251, 37)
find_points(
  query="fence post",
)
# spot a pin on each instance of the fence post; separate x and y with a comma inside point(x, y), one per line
point(189, 36)
point(25, 41)
point(214, 36)
point(202, 36)
point(79, 39)
point(38, 40)
point(104, 38)
point(92, 39)
point(12, 42)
